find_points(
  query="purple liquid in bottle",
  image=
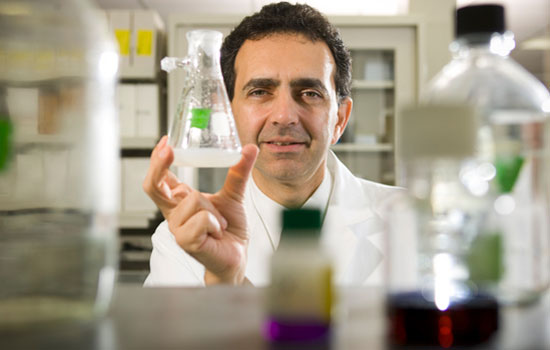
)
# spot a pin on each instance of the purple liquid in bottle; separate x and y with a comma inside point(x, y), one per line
point(297, 333)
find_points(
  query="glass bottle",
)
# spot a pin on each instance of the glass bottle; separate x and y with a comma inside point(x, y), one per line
point(513, 130)
point(299, 299)
point(437, 294)
point(59, 178)
point(203, 132)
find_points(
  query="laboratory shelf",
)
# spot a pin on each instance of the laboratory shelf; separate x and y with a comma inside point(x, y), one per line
point(372, 84)
point(43, 139)
point(362, 147)
point(135, 219)
point(138, 142)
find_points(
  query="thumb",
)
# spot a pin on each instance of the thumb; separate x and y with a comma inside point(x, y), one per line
point(237, 176)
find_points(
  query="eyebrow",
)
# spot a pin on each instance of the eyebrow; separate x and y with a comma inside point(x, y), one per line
point(309, 83)
point(261, 83)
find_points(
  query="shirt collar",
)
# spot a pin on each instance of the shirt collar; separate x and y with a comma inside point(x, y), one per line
point(270, 210)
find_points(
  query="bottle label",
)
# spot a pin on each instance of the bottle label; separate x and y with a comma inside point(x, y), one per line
point(301, 293)
point(485, 261)
point(508, 169)
point(200, 117)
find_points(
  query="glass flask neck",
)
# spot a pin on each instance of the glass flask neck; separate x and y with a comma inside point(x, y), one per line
point(204, 48)
point(483, 44)
point(207, 41)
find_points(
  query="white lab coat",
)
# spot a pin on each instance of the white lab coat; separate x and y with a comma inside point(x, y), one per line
point(352, 234)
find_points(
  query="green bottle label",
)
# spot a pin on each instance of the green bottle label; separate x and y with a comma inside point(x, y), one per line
point(508, 169)
point(200, 117)
point(485, 258)
point(5, 143)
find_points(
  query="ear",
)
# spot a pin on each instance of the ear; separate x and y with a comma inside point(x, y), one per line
point(344, 112)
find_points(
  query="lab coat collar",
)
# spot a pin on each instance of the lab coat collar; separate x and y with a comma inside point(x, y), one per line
point(351, 204)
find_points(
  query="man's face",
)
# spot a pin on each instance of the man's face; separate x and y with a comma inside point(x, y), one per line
point(285, 102)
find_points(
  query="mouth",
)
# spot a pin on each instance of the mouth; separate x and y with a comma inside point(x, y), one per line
point(284, 146)
point(283, 143)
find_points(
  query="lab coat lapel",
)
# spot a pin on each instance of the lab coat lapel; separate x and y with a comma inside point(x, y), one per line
point(353, 230)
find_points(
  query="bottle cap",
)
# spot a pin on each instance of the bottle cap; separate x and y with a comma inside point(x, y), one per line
point(306, 219)
point(436, 131)
point(480, 19)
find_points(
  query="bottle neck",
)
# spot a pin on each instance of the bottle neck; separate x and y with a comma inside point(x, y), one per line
point(483, 44)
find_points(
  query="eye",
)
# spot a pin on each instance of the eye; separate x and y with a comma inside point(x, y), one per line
point(311, 94)
point(257, 92)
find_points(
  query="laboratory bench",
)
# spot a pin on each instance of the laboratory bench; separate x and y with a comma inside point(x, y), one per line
point(226, 317)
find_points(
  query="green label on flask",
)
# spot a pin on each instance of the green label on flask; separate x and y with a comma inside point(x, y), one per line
point(5, 143)
point(508, 169)
point(200, 117)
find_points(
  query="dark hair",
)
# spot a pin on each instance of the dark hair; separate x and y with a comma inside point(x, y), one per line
point(283, 17)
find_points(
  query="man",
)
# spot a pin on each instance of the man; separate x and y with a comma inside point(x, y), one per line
point(288, 77)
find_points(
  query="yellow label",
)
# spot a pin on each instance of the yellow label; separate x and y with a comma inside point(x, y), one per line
point(301, 292)
point(144, 42)
point(44, 60)
point(123, 38)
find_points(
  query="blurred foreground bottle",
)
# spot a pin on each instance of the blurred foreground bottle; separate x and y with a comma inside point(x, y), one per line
point(443, 263)
point(513, 144)
point(59, 169)
point(299, 299)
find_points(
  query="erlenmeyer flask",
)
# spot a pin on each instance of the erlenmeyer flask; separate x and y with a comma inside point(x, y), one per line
point(203, 132)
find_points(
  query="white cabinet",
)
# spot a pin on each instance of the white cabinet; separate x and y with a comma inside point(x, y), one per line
point(138, 107)
point(393, 58)
point(147, 111)
point(126, 98)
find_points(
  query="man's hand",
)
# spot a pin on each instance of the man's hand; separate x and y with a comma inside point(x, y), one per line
point(160, 184)
point(209, 227)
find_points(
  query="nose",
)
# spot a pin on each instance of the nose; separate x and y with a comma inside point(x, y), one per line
point(285, 110)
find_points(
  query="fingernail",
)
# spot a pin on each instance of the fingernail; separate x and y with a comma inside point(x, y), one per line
point(224, 223)
point(163, 153)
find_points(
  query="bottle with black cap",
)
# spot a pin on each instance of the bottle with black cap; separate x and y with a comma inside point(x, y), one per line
point(299, 299)
point(512, 149)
